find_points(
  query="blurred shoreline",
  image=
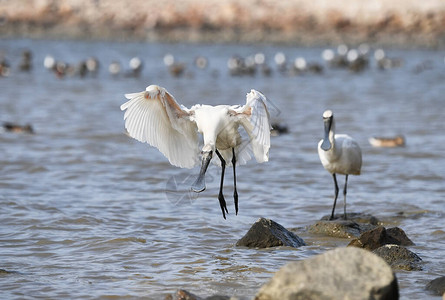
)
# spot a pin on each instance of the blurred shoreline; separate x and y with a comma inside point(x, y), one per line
point(398, 23)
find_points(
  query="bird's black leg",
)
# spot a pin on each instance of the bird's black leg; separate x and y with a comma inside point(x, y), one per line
point(222, 201)
point(336, 195)
point(344, 194)
point(235, 192)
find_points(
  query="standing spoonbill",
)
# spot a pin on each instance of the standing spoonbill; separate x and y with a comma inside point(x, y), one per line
point(339, 153)
point(153, 116)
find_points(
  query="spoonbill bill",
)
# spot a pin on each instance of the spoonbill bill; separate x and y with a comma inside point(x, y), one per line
point(153, 116)
point(339, 154)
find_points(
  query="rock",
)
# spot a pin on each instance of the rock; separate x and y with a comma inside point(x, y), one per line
point(379, 236)
point(218, 297)
point(399, 236)
point(356, 217)
point(342, 273)
point(186, 295)
point(413, 215)
point(266, 233)
point(339, 228)
point(437, 286)
point(182, 295)
point(399, 257)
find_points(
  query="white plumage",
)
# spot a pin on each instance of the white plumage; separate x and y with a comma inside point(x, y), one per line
point(153, 116)
point(339, 154)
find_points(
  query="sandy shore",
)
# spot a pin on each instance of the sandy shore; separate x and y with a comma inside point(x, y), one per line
point(305, 22)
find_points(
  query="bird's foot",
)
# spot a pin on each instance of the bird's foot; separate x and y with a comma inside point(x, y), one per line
point(222, 203)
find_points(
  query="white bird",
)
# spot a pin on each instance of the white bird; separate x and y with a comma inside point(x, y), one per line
point(339, 154)
point(153, 116)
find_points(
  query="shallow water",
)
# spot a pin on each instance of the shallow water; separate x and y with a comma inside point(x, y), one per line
point(89, 213)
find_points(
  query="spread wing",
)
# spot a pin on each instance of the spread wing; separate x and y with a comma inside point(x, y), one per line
point(254, 116)
point(153, 116)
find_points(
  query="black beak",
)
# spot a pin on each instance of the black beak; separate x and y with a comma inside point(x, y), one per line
point(326, 145)
point(200, 183)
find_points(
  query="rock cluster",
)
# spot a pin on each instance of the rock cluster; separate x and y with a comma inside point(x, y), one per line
point(362, 270)
point(389, 245)
point(375, 238)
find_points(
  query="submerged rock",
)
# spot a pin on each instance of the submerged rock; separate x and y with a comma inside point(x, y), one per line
point(379, 236)
point(356, 217)
point(339, 228)
point(356, 224)
point(218, 297)
point(342, 273)
point(399, 257)
point(266, 233)
point(182, 295)
point(186, 295)
point(437, 286)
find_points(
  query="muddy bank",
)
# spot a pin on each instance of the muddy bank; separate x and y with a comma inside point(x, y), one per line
point(304, 22)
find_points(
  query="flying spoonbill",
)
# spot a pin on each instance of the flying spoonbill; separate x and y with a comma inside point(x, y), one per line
point(153, 116)
point(339, 154)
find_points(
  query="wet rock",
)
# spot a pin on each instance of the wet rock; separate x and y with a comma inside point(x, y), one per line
point(342, 273)
point(356, 224)
point(266, 233)
point(399, 257)
point(416, 214)
point(218, 297)
point(182, 295)
point(342, 229)
point(380, 236)
point(356, 217)
point(339, 228)
point(399, 236)
point(186, 295)
point(437, 286)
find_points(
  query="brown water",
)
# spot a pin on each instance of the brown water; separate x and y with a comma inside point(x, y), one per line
point(88, 213)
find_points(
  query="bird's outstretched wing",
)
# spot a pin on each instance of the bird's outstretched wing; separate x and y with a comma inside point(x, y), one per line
point(153, 116)
point(254, 116)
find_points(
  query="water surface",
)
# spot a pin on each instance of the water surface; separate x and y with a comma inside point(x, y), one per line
point(89, 213)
